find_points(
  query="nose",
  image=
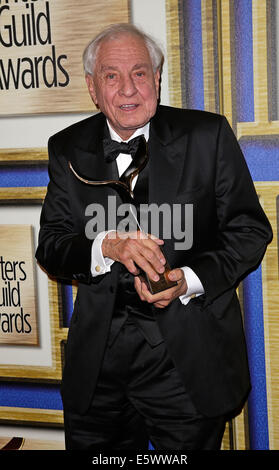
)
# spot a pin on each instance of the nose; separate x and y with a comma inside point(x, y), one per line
point(127, 86)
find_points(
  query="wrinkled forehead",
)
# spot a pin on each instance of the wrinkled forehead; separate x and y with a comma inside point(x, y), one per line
point(122, 48)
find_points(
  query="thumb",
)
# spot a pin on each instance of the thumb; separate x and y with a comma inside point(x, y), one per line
point(175, 274)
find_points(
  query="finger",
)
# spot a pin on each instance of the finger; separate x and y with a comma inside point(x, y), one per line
point(160, 305)
point(157, 240)
point(145, 247)
point(145, 266)
point(153, 250)
point(164, 298)
point(176, 275)
point(140, 235)
point(132, 268)
point(155, 258)
point(146, 260)
point(138, 287)
point(148, 298)
point(141, 244)
point(161, 298)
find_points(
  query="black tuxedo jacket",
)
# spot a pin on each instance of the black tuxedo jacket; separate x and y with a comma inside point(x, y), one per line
point(194, 159)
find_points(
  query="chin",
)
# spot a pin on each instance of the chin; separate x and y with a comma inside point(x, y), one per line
point(133, 124)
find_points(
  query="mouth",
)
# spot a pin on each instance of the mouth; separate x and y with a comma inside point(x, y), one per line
point(128, 107)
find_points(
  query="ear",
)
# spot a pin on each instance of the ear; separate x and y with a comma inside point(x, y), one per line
point(91, 88)
point(157, 78)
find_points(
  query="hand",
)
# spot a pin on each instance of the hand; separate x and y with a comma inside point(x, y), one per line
point(135, 250)
point(164, 298)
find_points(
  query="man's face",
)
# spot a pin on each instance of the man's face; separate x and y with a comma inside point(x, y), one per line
point(123, 85)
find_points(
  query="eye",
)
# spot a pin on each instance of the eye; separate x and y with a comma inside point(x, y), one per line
point(110, 77)
point(140, 74)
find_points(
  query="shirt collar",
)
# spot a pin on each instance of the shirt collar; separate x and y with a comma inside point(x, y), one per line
point(142, 130)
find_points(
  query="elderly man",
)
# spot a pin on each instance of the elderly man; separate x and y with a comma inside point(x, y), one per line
point(167, 367)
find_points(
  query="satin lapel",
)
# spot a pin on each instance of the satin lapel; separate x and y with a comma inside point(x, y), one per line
point(92, 166)
point(87, 157)
point(167, 152)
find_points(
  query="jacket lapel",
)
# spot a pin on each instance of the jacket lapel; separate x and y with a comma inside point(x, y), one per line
point(87, 157)
point(167, 149)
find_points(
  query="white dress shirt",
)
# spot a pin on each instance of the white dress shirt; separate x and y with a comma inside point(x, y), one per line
point(101, 265)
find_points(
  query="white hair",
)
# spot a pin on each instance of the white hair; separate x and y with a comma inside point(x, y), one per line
point(113, 32)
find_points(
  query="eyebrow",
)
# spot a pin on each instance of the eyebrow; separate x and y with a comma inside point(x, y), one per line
point(139, 66)
point(104, 68)
point(108, 67)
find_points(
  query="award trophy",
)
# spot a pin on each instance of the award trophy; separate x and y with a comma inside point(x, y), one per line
point(124, 188)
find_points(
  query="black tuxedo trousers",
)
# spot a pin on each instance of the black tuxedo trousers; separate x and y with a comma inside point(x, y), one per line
point(194, 158)
point(140, 399)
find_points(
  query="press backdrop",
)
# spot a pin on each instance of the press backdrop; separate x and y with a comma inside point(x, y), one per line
point(221, 56)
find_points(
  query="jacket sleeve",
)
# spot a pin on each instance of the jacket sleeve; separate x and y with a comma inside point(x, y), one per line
point(61, 251)
point(243, 230)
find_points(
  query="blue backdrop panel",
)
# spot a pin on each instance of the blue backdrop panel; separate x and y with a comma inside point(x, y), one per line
point(243, 50)
point(24, 176)
point(23, 395)
point(191, 43)
point(254, 327)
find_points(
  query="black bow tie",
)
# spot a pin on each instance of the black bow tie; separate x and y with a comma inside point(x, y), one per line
point(112, 148)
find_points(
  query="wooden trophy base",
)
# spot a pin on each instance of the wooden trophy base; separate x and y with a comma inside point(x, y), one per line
point(163, 283)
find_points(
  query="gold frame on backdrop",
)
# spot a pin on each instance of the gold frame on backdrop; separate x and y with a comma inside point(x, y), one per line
point(45, 75)
point(35, 374)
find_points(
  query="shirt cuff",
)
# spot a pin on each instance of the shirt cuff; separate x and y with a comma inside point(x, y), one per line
point(99, 264)
point(195, 287)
